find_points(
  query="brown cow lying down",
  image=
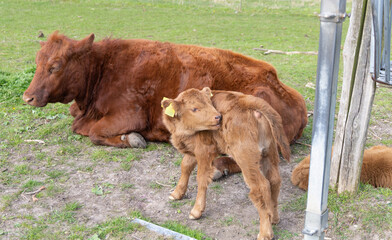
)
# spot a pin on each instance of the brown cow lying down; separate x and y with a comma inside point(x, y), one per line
point(242, 126)
point(376, 168)
point(118, 85)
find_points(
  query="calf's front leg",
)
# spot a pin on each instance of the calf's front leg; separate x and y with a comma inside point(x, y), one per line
point(204, 177)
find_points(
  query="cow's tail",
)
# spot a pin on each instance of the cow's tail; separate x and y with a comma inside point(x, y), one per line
point(276, 126)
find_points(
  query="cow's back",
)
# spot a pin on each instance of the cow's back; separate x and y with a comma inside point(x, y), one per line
point(138, 73)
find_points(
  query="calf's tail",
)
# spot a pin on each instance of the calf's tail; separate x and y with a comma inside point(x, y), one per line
point(275, 123)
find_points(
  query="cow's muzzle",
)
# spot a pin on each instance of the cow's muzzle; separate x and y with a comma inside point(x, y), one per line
point(33, 101)
point(27, 99)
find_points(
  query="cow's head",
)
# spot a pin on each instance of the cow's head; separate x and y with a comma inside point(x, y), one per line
point(61, 67)
point(190, 112)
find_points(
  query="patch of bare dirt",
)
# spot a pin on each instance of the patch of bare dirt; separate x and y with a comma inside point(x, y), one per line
point(145, 187)
point(229, 213)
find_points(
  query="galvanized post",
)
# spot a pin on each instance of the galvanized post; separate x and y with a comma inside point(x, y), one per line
point(381, 42)
point(331, 19)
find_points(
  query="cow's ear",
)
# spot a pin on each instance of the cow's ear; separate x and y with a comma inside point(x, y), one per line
point(207, 91)
point(170, 107)
point(42, 43)
point(85, 44)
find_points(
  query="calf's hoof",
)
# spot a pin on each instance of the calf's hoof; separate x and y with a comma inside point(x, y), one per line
point(175, 195)
point(194, 215)
point(135, 140)
point(276, 219)
point(264, 237)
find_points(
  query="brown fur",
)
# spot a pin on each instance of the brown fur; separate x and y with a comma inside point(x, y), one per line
point(118, 84)
point(376, 168)
point(249, 130)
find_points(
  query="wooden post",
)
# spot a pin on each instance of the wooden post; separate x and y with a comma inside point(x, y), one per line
point(354, 115)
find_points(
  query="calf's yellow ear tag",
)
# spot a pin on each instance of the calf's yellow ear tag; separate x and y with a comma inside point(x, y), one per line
point(211, 95)
point(170, 111)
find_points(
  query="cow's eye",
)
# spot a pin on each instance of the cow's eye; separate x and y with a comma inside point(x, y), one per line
point(54, 68)
point(194, 110)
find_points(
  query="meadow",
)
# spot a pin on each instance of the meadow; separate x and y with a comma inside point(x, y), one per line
point(93, 192)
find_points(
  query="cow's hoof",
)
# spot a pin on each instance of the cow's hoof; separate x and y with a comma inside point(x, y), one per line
point(136, 140)
point(219, 174)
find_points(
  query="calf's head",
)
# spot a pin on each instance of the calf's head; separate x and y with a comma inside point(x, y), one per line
point(61, 65)
point(190, 112)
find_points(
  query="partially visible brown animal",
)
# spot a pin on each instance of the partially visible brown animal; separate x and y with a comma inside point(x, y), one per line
point(118, 85)
point(376, 168)
point(204, 126)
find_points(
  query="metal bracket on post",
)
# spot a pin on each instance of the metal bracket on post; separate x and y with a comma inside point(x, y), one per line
point(319, 223)
point(333, 17)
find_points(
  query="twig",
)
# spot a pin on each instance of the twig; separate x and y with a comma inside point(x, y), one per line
point(24, 196)
point(35, 140)
point(165, 185)
point(269, 51)
point(305, 144)
point(136, 238)
point(374, 134)
point(35, 192)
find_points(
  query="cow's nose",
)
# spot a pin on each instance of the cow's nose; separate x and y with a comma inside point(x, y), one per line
point(27, 99)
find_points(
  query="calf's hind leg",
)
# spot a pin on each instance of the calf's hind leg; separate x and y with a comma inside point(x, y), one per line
point(188, 163)
point(270, 168)
point(260, 192)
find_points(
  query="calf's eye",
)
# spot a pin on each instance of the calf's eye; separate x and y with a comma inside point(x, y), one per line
point(194, 109)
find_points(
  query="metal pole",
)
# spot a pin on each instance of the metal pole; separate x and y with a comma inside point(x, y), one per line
point(331, 18)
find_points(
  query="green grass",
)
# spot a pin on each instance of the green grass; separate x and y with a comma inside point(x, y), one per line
point(180, 228)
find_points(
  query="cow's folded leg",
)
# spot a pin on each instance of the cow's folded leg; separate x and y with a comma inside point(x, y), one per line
point(135, 140)
point(224, 166)
point(107, 131)
point(74, 110)
point(187, 165)
point(115, 141)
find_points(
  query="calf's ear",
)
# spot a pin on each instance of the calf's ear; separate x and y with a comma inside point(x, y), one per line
point(207, 91)
point(170, 106)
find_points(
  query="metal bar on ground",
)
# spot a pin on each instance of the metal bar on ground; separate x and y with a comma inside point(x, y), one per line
point(161, 230)
point(332, 15)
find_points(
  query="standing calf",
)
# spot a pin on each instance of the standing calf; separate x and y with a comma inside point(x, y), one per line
point(204, 125)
